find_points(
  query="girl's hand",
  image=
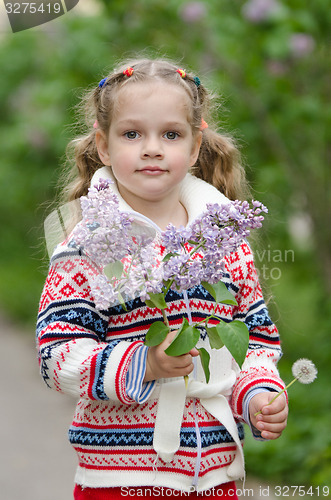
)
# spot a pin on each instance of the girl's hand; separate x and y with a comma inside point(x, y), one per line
point(273, 419)
point(160, 365)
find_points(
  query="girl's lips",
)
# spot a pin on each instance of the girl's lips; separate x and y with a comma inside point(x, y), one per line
point(152, 170)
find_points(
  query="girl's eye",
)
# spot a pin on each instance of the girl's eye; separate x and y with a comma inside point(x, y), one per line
point(131, 134)
point(171, 135)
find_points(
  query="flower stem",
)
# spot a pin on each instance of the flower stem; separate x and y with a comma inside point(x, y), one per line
point(166, 322)
point(192, 252)
point(165, 319)
point(195, 249)
point(206, 320)
point(277, 395)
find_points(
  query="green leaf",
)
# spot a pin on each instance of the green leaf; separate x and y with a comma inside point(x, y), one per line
point(235, 336)
point(156, 300)
point(114, 270)
point(220, 293)
point(168, 256)
point(156, 334)
point(204, 356)
point(186, 338)
point(214, 338)
point(120, 298)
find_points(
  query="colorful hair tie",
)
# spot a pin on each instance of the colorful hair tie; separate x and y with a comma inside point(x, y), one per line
point(96, 124)
point(128, 72)
point(203, 125)
point(102, 82)
point(197, 81)
point(181, 72)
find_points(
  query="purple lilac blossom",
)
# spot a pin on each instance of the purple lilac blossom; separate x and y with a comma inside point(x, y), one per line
point(277, 68)
point(203, 246)
point(107, 235)
point(194, 254)
point(145, 272)
point(301, 45)
point(192, 12)
point(258, 11)
point(104, 232)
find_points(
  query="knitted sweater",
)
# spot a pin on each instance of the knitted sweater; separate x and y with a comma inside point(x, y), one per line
point(130, 433)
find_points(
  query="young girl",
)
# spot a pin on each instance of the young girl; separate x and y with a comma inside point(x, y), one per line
point(135, 431)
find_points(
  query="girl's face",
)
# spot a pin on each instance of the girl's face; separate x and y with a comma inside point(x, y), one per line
point(150, 145)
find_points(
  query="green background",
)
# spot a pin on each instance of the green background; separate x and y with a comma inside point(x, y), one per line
point(272, 70)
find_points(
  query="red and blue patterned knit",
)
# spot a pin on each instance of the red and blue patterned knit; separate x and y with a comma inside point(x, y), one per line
point(88, 354)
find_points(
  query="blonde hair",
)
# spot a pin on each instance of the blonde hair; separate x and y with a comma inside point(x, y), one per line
point(218, 163)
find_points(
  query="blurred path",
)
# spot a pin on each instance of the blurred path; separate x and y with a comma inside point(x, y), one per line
point(36, 460)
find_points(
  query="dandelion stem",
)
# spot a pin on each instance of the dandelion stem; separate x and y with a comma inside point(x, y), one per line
point(277, 395)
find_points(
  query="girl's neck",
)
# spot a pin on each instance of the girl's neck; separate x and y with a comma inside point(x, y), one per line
point(177, 216)
point(161, 212)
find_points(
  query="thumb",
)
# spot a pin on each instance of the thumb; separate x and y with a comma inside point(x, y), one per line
point(276, 403)
point(194, 352)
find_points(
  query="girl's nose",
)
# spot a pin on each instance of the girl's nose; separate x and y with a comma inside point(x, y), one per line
point(152, 148)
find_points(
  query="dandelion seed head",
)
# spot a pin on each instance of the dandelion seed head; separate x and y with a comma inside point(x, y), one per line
point(304, 371)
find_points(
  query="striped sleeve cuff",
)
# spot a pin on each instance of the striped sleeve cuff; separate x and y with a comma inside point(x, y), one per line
point(254, 379)
point(136, 388)
point(255, 432)
point(118, 366)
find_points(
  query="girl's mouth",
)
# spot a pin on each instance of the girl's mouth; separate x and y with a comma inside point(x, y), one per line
point(152, 170)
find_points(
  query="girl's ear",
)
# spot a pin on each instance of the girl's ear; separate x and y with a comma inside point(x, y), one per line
point(197, 139)
point(102, 147)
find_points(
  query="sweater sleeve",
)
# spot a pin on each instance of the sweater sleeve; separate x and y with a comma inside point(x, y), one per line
point(75, 355)
point(264, 351)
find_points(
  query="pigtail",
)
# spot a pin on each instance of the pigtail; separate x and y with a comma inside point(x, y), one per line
point(82, 154)
point(219, 161)
point(87, 162)
point(82, 157)
point(219, 164)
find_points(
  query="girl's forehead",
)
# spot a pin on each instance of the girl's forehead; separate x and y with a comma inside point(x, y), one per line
point(154, 92)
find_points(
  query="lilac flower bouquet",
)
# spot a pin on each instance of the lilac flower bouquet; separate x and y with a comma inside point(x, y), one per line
point(136, 261)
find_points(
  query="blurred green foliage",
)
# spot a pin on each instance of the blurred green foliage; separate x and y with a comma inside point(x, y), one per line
point(269, 61)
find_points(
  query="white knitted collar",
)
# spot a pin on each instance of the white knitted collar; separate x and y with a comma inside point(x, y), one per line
point(194, 193)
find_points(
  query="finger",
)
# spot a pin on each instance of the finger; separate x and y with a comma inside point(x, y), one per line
point(276, 406)
point(277, 427)
point(194, 352)
point(182, 372)
point(183, 360)
point(175, 362)
point(274, 418)
point(271, 431)
point(176, 370)
point(270, 435)
point(169, 338)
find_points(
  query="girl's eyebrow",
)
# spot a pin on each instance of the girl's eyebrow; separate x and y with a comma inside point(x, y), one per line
point(128, 122)
point(132, 122)
point(175, 124)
